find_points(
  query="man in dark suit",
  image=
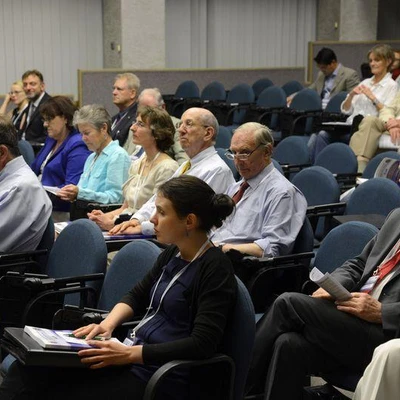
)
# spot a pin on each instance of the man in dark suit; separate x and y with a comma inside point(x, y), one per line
point(125, 93)
point(31, 120)
point(303, 334)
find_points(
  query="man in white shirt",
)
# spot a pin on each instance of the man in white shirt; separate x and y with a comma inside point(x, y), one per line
point(271, 211)
point(198, 132)
point(24, 205)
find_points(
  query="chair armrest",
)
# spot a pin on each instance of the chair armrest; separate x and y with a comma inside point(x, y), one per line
point(26, 255)
point(235, 107)
point(162, 372)
point(325, 210)
point(289, 169)
point(304, 115)
point(73, 317)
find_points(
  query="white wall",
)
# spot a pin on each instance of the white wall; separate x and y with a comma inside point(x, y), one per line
point(239, 33)
point(57, 37)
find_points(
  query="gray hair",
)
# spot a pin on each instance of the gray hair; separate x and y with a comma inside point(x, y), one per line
point(8, 136)
point(262, 134)
point(93, 114)
point(133, 82)
point(155, 94)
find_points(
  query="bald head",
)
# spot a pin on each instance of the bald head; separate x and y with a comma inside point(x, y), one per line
point(198, 130)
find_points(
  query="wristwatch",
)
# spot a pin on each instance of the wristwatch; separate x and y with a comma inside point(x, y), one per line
point(375, 102)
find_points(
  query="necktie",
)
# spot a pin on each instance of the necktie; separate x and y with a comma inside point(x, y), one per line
point(387, 266)
point(186, 167)
point(239, 194)
point(32, 109)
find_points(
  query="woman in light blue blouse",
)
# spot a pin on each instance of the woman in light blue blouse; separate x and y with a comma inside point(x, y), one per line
point(106, 169)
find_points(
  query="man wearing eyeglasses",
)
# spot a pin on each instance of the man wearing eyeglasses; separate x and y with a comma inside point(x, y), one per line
point(24, 205)
point(197, 134)
point(125, 92)
point(270, 211)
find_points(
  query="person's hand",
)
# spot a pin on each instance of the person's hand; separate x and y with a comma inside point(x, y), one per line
point(68, 192)
point(395, 135)
point(7, 99)
point(363, 306)
point(92, 330)
point(108, 352)
point(322, 294)
point(393, 123)
point(367, 91)
point(104, 222)
point(356, 90)
point(131, 227)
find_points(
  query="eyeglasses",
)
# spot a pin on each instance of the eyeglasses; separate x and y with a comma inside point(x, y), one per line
point(15, 92)
point(190, 124)
point(140, 124)
point(240, 156)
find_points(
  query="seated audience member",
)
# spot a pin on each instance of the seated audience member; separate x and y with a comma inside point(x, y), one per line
point(32, 128)
point(61, 160)
point(332, 78)
point(198, 133)
point(364, 142)
point(395, 68)
point(194, 312)
point(302, 334)
point(154, 132)
point(381, 378)
point(106, 169)
point(153, 98)
point(17, 96)
point(368, 98)
point(125, 93)
point(24, 205)
point(270, 211)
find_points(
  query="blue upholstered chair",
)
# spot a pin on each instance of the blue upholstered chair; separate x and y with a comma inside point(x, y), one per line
point(292, 87)
point(375, 161)
point(260, 85)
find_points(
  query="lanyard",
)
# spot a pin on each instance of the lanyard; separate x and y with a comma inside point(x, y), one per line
point(147, 318)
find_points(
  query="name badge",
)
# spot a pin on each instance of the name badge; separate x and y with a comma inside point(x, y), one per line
point(128, 342)
point(369, 285)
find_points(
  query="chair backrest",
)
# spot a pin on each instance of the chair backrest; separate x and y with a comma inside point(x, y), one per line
point(261, 84)
point(79, 250)
point(229, 163)
point(187, 89)
point(342, 243)
point(128, 267)
point(306, 100)
point(334, 103)
point(372, 165)
point(277, 166)
point(241, 93)
point(46, 243)
point(214, 91)
point(304, 242)
point(318, 185)
point(292, 87)
point(292, 150)
point(26, 150)
point(239, 338)
point(272, 96)
point(375, 196)
point(338, 158)
point(224, 137)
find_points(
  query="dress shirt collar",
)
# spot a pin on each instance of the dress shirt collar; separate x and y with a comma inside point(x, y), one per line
point(109, 149)
point(208, 152)
point(38, 100)
point(383, 82)
point(256, 180)
point(12, 166)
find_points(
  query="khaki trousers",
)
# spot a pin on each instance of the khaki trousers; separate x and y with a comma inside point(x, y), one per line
point(364, 142)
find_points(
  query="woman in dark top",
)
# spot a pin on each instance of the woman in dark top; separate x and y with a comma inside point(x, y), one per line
point(189, 294)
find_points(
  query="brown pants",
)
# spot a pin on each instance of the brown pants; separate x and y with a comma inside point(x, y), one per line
point(364, 142)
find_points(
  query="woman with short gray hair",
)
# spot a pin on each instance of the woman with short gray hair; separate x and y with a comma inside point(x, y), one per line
point(106, 169)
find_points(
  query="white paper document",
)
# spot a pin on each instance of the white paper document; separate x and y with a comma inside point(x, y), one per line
point(330, 284)
point(52, 189)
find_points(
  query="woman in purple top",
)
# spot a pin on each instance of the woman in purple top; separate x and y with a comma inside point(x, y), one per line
point(63, 156)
